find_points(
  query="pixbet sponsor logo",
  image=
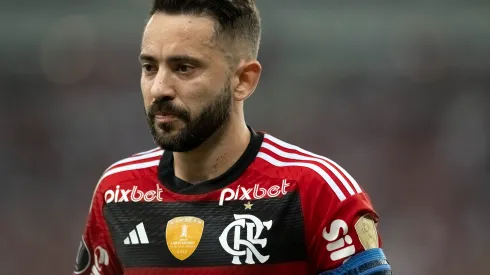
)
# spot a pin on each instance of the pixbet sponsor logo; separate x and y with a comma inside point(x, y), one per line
point(256, 192)
point(132, 195)
point(339, 242)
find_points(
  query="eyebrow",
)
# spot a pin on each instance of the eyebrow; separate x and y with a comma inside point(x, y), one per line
point(171, 59)
point(148, 58)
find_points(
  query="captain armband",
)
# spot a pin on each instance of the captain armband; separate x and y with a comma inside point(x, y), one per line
point(369, 262)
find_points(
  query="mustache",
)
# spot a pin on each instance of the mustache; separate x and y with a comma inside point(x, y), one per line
point(162, 107)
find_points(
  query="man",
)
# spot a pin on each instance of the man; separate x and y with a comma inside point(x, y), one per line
point(216, 197)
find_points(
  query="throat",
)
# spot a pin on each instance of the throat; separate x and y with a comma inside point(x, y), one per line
point(202, 169)
point(213, 159)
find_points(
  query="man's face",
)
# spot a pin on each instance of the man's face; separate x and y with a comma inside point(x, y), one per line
point(185, 81)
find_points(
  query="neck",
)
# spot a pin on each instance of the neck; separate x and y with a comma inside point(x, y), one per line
point(215, 156)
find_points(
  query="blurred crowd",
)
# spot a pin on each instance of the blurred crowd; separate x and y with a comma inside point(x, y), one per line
point(408, 118)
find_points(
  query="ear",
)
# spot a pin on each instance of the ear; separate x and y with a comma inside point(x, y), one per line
point(246, 79)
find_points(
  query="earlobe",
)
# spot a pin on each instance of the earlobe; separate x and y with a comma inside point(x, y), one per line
point(248, 75)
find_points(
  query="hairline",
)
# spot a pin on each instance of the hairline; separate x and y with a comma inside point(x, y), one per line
point(221, 37)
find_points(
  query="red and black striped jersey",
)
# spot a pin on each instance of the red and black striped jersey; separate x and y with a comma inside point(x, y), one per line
point(279, 209)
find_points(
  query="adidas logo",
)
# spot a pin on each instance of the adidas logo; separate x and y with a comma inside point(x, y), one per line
point(137, 236)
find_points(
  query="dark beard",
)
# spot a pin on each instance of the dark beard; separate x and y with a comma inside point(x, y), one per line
point(196, 130)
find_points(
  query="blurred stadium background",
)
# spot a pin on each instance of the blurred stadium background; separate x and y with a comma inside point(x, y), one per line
point(397, 92)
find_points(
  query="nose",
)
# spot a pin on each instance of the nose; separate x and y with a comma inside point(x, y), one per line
point(163, 86)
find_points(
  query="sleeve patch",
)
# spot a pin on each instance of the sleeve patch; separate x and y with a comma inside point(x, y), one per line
point(367, 233)
point(82, 261)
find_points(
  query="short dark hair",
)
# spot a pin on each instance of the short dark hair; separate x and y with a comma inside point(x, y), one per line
point(238, 20)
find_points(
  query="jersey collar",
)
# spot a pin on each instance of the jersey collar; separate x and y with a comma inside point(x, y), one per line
point(166, 173)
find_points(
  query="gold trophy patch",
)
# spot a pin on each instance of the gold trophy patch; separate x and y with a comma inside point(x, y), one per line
point(183, 235)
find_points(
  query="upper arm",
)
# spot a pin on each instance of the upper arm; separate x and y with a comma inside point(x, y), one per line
point(341, 232)
point(96, 253)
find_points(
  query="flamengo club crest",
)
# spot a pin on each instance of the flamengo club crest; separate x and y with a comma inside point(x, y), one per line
point(246, 231)
point(183, 235)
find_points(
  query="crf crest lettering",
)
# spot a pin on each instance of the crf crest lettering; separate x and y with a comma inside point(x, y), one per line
point(245, 244)
point(101, 259)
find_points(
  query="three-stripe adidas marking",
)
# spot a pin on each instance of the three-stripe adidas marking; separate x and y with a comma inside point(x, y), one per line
point(334, 175)
point(137, 236)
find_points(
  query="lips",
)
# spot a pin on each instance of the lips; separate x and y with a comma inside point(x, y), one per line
point(165, 114)
point(165, 117)
point(165, 111)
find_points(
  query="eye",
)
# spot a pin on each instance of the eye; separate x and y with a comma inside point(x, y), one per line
point(148, 67)
point(184, 68)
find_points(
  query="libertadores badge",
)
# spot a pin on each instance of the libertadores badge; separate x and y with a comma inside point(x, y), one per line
point(366, 230)
point(183, 235)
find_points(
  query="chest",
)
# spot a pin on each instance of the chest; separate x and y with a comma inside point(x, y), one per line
point(242, 229)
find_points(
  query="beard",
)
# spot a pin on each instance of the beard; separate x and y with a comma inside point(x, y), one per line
point(172, 136)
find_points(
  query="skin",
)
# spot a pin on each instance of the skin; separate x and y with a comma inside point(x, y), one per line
point(184, 65)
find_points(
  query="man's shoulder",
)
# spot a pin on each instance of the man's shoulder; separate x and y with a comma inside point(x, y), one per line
point(312, 171)
point(125, 172)
point(285, 156)
point(130, 167)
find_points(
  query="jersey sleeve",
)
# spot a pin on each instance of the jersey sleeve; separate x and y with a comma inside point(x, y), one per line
point(96, 253)
point(341, 227)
